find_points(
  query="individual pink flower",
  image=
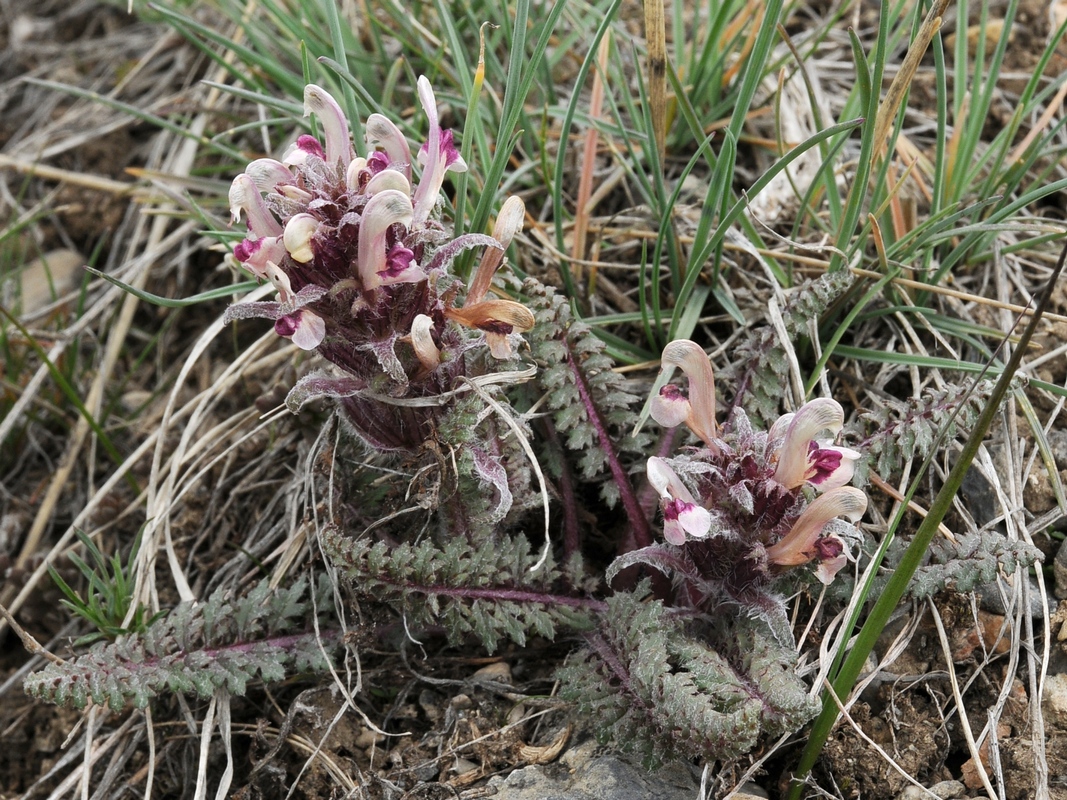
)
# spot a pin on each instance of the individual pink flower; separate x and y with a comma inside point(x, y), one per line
point(670, 407)
point(803, 459)
point(683, 517)
point(382, 262)
point(304, 327)
point(805, 541)
point(498, 319)
point(438, 156)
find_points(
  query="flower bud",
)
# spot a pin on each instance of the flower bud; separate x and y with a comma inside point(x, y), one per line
point(299, 231)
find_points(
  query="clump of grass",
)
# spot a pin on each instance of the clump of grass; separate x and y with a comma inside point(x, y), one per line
point(107, 604)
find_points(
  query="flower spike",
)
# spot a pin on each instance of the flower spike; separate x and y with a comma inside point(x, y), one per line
point(364, 273)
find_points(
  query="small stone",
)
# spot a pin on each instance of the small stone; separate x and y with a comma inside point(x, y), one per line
point(498, 672)
point(992, 596)
point(972, 775)
point(751, 791)
point(595, 779)
point(516, 714)
point(1054, 701)
point(135, 399)
point(1059, 572)
point(462, 766)
point(1057, 441)
point(461, 702)
point(368, 738)
point(432, 705)
point(43, 280)
point(946, 790)
point(991, 635)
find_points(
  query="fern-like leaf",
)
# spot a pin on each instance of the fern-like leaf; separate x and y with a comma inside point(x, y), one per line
point(488, 590)
point(592, 407)
point(895, 433)
point(973, 560)
point(762, 369)
point(663, 691)
point(222, 644)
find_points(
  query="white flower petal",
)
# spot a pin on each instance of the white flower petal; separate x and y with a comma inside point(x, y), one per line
point(310, 331)
point(383, 210)
point(319, 102)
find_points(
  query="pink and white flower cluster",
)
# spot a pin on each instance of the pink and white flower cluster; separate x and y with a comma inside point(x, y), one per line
point(753, 504)
point(361, 263)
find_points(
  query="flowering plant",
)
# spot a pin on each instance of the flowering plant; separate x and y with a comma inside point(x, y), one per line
point(744, 505)
point(361, 262)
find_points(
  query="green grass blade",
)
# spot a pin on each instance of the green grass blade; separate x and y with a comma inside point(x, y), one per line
point(845, 678)
point(169, 302)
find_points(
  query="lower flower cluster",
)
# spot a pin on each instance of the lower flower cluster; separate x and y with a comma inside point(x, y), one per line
point(746, 505)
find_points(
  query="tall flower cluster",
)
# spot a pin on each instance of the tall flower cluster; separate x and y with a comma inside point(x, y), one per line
point(746, 505)
point(361, 263)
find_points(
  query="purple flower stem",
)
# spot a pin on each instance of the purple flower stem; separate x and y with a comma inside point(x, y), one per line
point(639, 528)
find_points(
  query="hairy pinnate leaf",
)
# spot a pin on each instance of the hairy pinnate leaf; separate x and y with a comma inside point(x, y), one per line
point(222, 644)
point(909, 429)
point(973, 560)
point(664, 691)
point(762, 369)
point(592, 406)
point(490, 590)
